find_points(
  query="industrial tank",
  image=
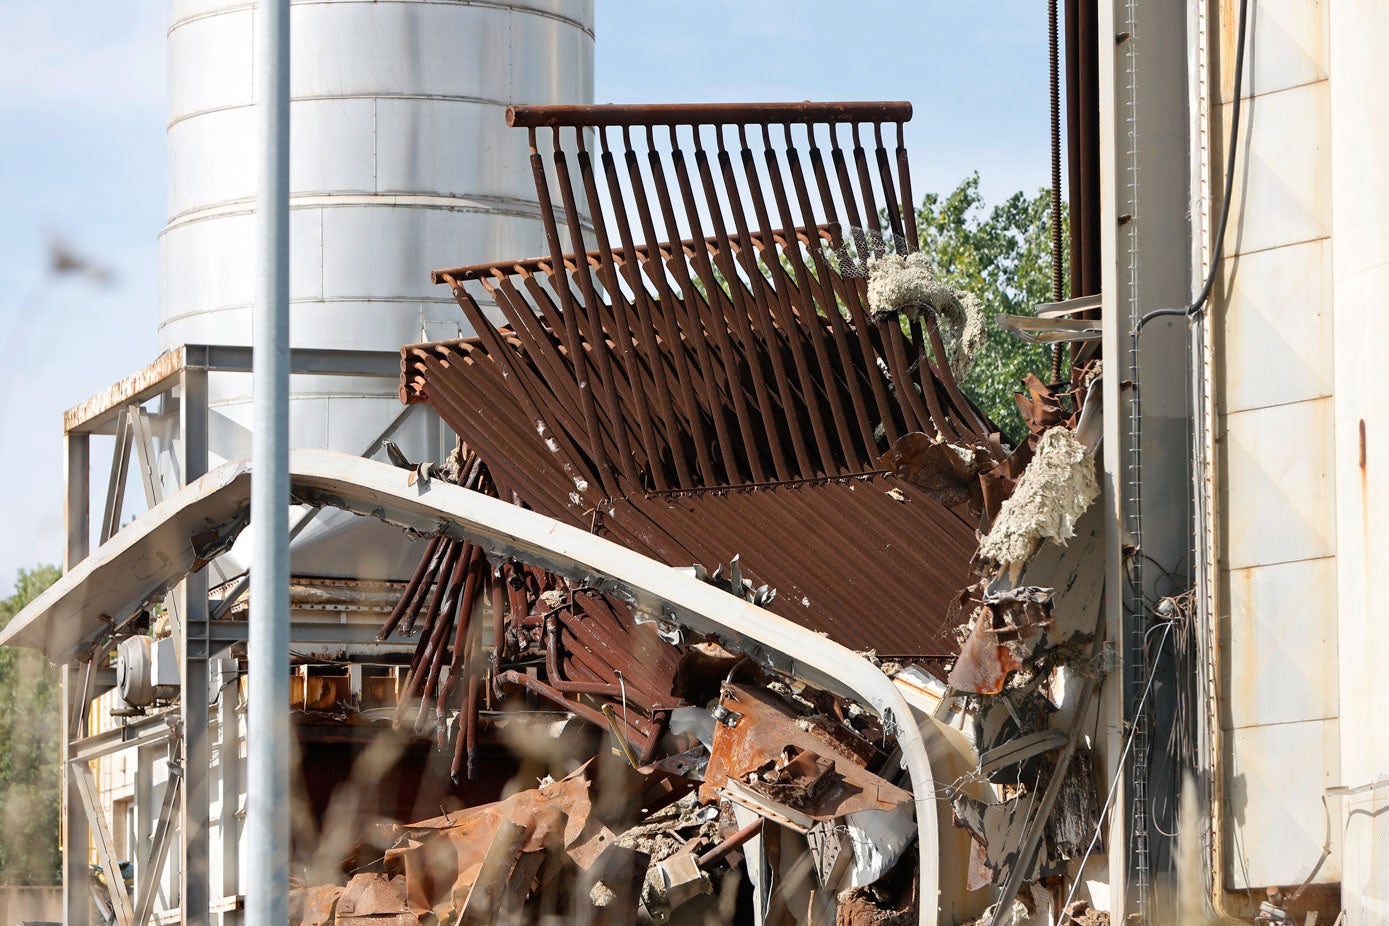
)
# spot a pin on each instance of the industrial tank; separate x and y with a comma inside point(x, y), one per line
point(400, 162)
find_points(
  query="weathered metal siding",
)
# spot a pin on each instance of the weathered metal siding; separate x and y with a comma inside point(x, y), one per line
point(1356, 34)
point(1276, 437)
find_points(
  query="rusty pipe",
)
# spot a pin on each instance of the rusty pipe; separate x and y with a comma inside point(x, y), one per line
point(706, 114)
point(408, 595)
point(731, 843)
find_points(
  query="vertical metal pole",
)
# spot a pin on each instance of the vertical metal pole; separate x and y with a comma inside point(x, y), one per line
point(77, 502)
point(76, 837)
point(77, 896)
point(145, 808)
point(267, 806)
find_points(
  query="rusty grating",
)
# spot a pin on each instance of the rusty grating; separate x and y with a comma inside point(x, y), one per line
point(699, 375)
point(742, 354)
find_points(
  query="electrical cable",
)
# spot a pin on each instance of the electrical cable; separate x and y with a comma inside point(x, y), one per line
point(1118, 774)
point(1199, 303)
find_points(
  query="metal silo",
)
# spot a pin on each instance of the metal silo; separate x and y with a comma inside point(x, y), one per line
point(401, 161)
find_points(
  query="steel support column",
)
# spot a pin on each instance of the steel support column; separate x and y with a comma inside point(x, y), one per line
point(1145, 265)
point(77, 501)
point(191, 610)
point(76, 835)
point(229, 774)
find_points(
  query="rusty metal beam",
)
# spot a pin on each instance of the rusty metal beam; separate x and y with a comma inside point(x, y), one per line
point(664, 114)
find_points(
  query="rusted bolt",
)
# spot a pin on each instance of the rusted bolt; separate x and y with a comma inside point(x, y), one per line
point(1126, 218)
point(1122, 37)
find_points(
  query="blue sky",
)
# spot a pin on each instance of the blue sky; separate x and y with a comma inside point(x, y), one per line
point(82, 102)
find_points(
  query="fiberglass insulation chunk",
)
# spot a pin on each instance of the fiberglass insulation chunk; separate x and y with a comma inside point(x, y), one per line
point(1053, 492)
point(909, 285)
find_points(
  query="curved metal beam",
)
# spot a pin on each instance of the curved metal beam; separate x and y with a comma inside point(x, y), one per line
point(182, 532)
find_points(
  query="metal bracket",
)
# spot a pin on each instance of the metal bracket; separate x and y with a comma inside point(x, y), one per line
point(726, 717)
point(120, 465)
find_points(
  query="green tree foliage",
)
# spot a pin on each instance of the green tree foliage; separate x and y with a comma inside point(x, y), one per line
point(1003, 256)
point(29, 757)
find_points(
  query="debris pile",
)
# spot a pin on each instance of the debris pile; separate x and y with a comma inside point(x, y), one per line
point(775, 782)
point(728, 396)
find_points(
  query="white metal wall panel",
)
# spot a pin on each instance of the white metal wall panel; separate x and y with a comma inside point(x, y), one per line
point(384, 252)
point(1358, 31)
point(181, 10)
point(1283, 640)
point(438, 146)
point(537, 39)
point(448, 50)
point(215, 272)
point(210, 64)
point(332, 146)
point(1283, 195)
point(1277, 773)
point(577, 11)
point(1278, 309)
point(211, 160)
point(1277, 469)
point(1279, 497)
point(1286, 48)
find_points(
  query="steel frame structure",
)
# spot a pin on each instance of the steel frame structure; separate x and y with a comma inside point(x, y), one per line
point(179, 379)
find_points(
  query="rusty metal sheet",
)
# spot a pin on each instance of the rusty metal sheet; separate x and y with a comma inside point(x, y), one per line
point(993, 649)
point(984, 663)
point(492, 878)
point(314, 906)
point(822, 777)
point(945, 472)
point(440, 858)
point(376, 899)
point(857, 529)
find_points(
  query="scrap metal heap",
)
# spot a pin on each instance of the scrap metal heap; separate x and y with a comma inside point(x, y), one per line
point(696, 372)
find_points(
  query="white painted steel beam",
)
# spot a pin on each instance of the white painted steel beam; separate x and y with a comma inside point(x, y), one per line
point(85, 785)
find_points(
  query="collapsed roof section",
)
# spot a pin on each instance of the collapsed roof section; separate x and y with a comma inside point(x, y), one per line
point(166, 543)
point(707, 381)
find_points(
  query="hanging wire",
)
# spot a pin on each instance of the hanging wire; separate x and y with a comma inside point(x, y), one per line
point(1198, 304)
point(1118, 769)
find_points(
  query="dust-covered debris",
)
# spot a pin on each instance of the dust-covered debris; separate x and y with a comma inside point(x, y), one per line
point(1053, 492)
point(909, 285)
point(601, 895)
